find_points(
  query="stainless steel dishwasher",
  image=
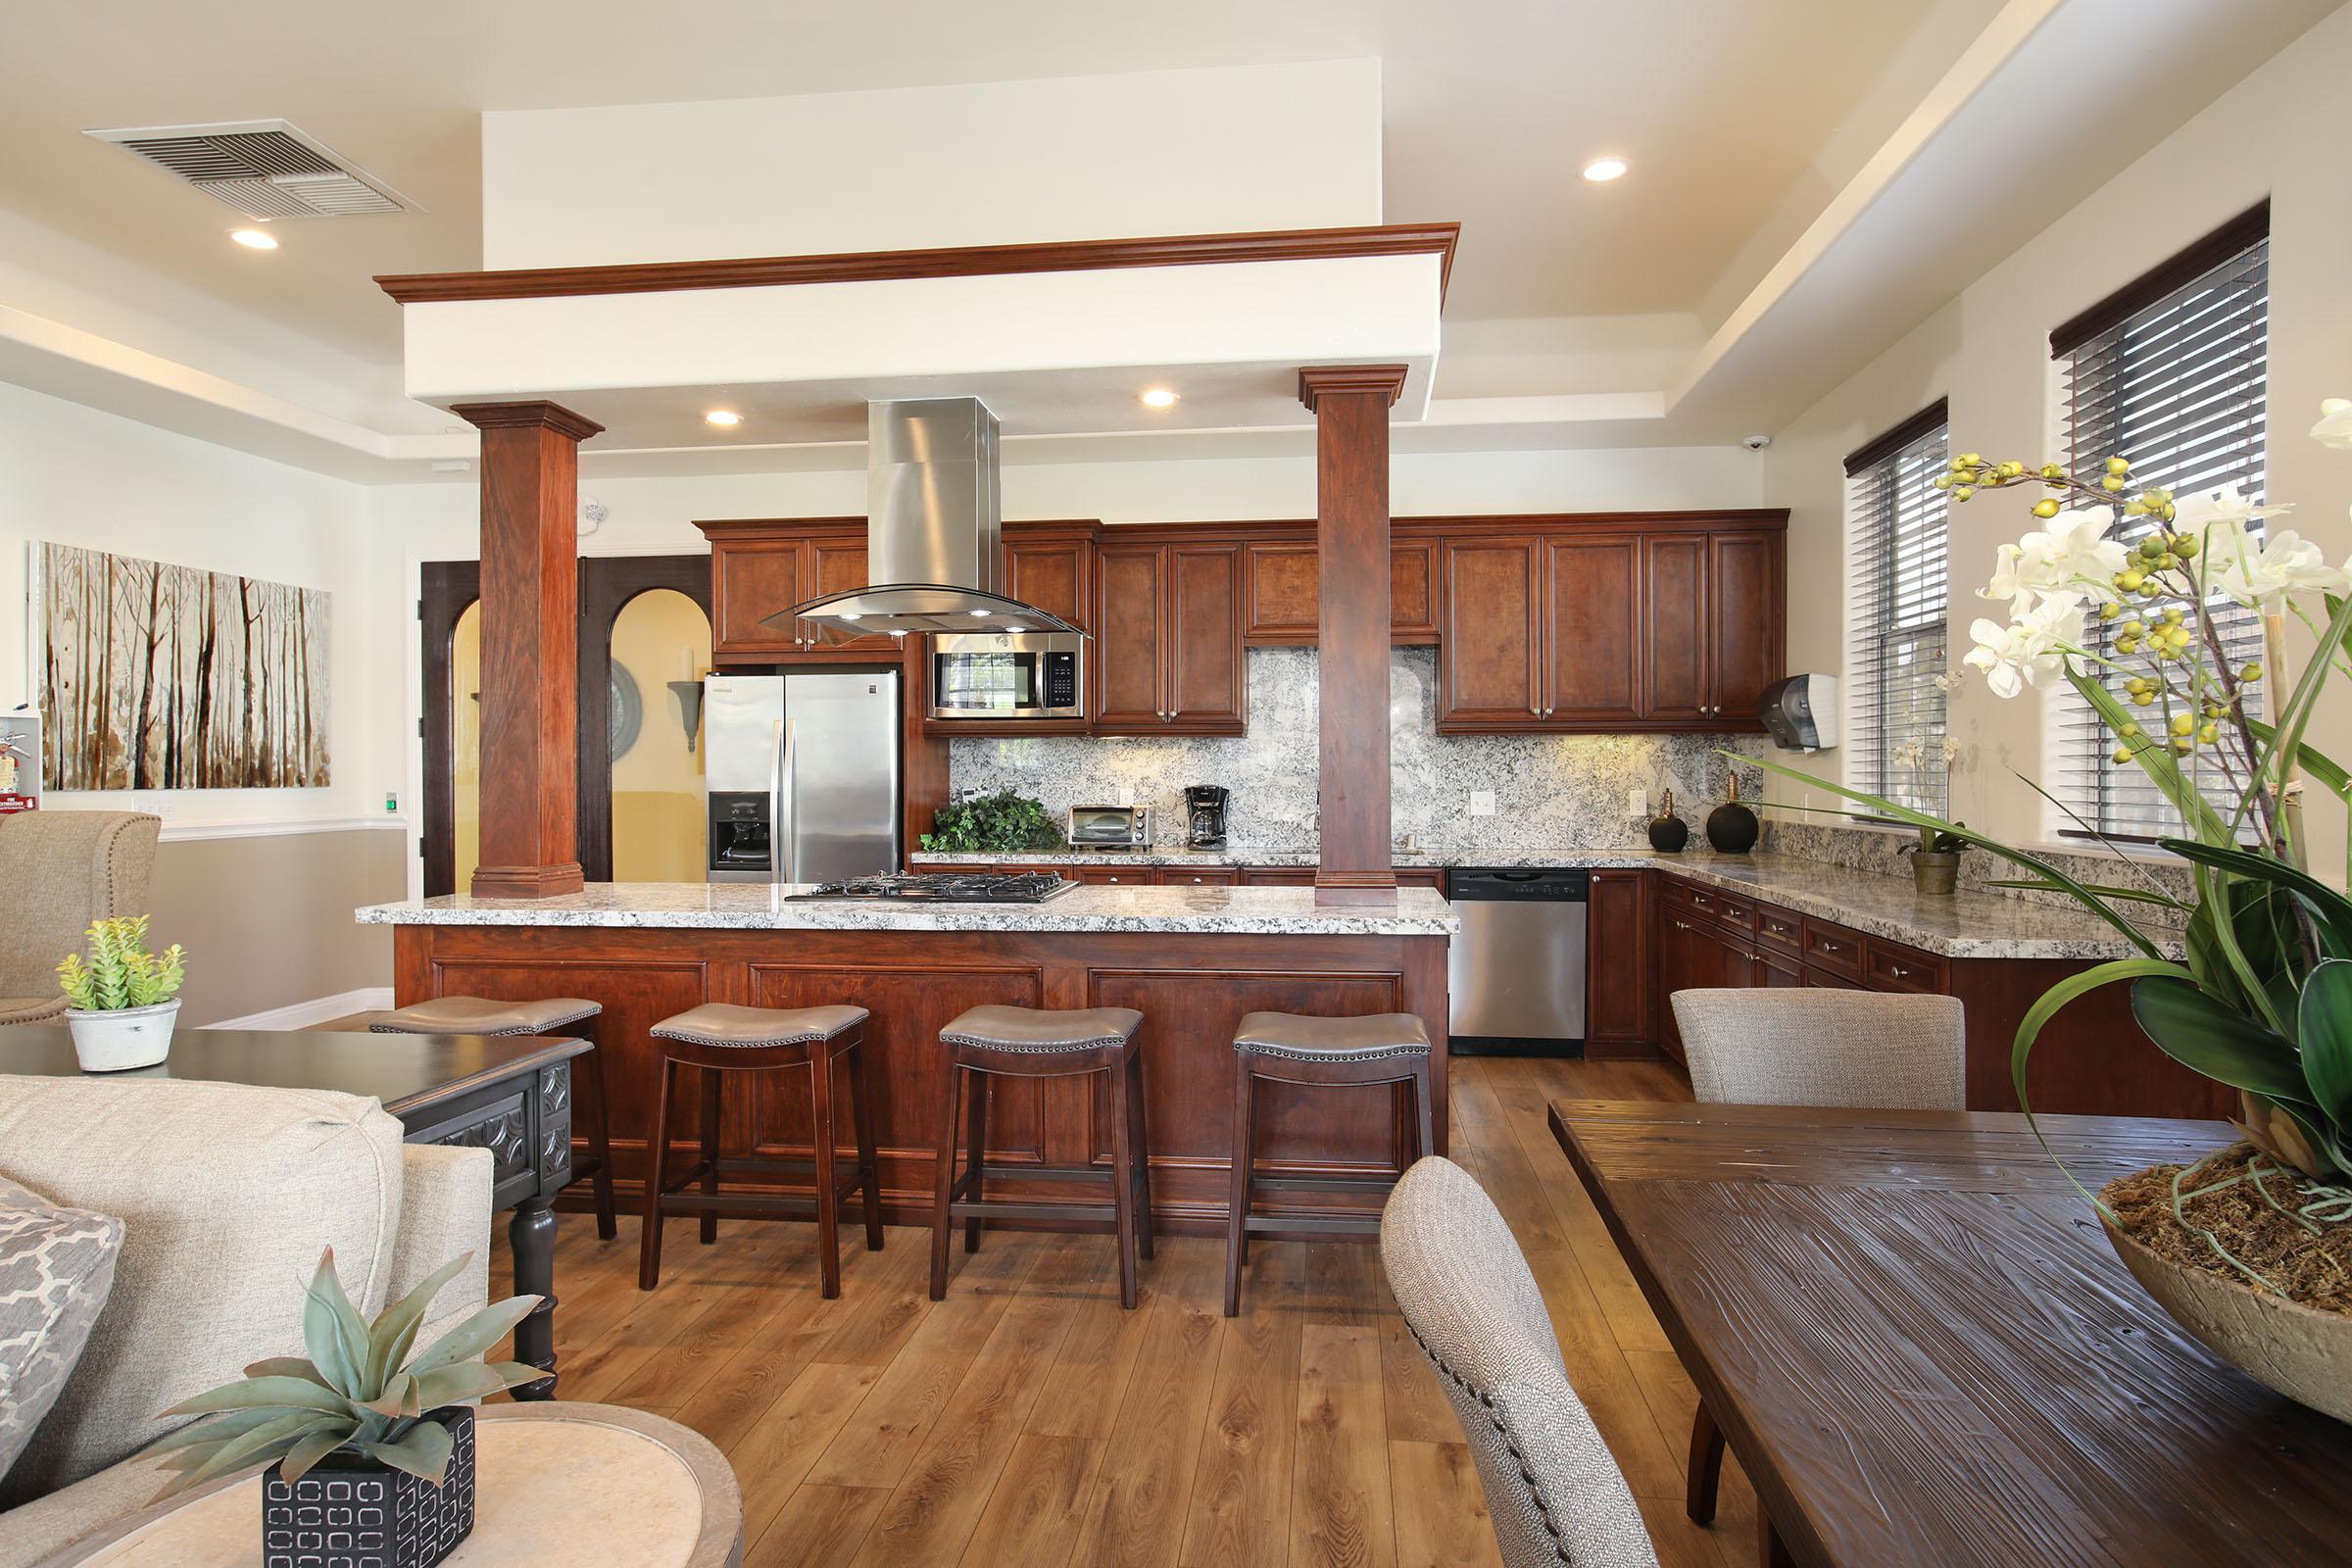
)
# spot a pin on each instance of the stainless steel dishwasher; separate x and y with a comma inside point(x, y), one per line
point(1516, 974)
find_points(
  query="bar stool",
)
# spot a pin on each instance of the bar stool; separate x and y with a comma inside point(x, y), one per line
point(1035, 1043)
point(1382, 1048)
point(719, 1039)
point(577, 1015)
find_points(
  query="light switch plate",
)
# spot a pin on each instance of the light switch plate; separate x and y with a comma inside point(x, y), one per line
point(1481, 803)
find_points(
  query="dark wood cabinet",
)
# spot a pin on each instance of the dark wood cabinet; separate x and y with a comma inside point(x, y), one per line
point(1591, 631)
point(1167, 651)
point(1489, 663)
point(1283, 584)
point(1747, 622)
point(1617, 989)
point(1051, 565)
point(837, 564)
point(763, 565)
point(1674, 616)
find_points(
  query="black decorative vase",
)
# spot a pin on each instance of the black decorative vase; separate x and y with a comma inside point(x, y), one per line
point(1732, 827)
point(351, 1512)
point(1668, 833)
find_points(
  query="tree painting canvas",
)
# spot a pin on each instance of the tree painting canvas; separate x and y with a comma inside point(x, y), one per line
point(170, 679)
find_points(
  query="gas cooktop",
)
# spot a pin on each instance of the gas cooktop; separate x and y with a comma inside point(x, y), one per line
point(943, 887)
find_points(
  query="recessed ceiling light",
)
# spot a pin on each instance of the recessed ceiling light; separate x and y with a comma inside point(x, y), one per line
point(722, 417)
point(1602, 170)
point(254, 239)
point(1160, 397)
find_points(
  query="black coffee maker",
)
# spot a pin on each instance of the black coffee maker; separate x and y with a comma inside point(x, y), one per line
point(1205, 816)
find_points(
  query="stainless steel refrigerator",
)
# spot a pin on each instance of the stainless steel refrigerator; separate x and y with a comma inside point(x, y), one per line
point(807, 763)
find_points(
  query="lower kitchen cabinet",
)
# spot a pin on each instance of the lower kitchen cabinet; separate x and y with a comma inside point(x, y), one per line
point(1617, 1016)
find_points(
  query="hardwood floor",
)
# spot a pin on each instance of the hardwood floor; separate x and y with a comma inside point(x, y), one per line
point(1027, 1420)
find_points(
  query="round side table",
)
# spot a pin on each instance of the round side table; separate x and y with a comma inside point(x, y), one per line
point(555, 1483)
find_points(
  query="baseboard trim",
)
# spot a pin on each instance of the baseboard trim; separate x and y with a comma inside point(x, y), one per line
point(316, 1011)
point(189, 832)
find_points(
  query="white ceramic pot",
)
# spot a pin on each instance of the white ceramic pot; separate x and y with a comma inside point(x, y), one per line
point(117, 1042)
point(2287, 1347)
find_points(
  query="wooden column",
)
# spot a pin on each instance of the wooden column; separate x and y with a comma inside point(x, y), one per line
point(1350, 405)
point(531, 648)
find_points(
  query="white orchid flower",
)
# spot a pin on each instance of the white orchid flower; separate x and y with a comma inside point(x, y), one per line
point(2264, 571)
point(2075, 545)
point(2336, 423)
point(2226, 511)
point(2030, 651)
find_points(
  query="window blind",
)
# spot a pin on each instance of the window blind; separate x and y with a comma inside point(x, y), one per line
point(1900, 584)
point(2176, 382)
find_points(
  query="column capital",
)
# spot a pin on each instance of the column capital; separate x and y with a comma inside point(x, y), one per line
point(537, 414)
point(1387, 380)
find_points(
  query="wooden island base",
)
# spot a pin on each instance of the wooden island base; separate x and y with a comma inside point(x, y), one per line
point(1192, 989)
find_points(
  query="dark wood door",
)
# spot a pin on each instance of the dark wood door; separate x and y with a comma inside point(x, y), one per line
point(750, 579)
point(1675, 614)
point(1592, 640)
point(1207, 685)
point(1745, 623)
point(1489, 667)
point(1131, 640)
point(446, 588)
point(837, 565)
point(1283, 582)
point(1617, 988)
point(1688, 959)
point(1778, 971)
point(1050, 572)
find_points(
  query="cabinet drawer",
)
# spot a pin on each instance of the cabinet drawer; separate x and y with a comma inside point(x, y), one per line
point(1203, 876)
point(1779, 928)
point(1833, 947)
point(1891, 966)
point(1132, 876)
point(1822, 979)
point(1734, 909)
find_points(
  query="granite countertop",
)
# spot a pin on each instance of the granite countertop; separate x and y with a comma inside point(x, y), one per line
point(761, 906)
point(1156, 855)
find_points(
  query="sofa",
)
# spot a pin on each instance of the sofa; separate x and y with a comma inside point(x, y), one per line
point(226, 1194)
point(60, 870)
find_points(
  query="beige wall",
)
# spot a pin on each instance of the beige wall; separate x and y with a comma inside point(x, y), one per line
point(2277, 133)
point(266, 919)
point(659, 637)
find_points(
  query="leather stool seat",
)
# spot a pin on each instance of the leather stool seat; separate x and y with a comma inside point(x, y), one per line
point(720, 1023)
point(1297, 1038)
point(992, 1027)
point(482, 1016)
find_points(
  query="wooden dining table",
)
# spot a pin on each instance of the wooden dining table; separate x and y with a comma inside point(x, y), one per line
point(1922, 1348)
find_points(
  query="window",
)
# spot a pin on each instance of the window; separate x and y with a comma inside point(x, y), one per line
point(1894, 707)
point(2171, 372)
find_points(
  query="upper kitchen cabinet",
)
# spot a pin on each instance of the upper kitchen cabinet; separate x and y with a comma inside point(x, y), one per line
point(1284, 584)
point(759, 566)
point(1612, 623)
point(1168, 647)
point(1051, 565)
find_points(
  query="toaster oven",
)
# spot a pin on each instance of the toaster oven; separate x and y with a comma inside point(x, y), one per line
point(1110, 828)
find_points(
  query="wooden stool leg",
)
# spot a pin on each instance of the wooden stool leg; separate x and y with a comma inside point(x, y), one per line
point(656, 1170)
point(829, 1200)
point(1425, 1110)
point(976, 1138)
point(598, 1113)
point(710, 1080)
point(861, 1117)
point(944, 1183)
point(1143, 1154)
point(1122, 1179)
point(1705, 1472)
point(1237, 1230)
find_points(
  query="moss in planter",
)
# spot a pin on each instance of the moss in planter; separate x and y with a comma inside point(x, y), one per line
point(2310, 1264)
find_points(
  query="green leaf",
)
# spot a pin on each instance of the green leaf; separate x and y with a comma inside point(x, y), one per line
point(2332, 776)
point(395, 1332)
point(257, 1393)
point(2325, 903)
point(2217, 1040)
point(258, 1447)
point(422, 1450)
point(335, 1333)
point(2103, 890)
point(2325, 1037)
point(288, 1366)
point(218, 1428)
point(458, 1383)
point(307, 1452)
point(397, 1390)
point(2157, 763)
point(2044, 1008)
point(477, 1334)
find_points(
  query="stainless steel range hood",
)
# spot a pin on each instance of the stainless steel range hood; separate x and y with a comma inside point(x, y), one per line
point(931, 532)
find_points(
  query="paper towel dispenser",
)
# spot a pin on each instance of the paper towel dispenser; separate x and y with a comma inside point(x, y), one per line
point(1801, 713)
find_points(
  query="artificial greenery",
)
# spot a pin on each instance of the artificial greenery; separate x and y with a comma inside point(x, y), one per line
point(359, 1392)
point(120, 972)
point(992, 824)
point(1937, 841)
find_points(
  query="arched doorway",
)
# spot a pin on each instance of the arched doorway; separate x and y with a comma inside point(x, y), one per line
point(659, 649)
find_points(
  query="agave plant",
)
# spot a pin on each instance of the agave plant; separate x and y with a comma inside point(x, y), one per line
point(359, 1392)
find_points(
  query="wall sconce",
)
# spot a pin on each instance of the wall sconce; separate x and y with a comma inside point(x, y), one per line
point(689, 694)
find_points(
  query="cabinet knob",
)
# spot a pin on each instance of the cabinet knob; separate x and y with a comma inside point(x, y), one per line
point(1827, 945)
point(1680, 925)
point(1898, 970)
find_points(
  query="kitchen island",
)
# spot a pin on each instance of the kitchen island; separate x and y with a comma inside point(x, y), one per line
point(1191, 959)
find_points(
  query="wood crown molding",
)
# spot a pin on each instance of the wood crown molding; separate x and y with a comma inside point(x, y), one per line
point(963, 261)
point(527, 415)
point(1380, 379)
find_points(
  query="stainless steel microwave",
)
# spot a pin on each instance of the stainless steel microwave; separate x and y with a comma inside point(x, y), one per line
point(999, 676)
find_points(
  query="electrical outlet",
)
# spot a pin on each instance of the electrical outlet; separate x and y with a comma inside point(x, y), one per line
point(1481, 803)
point(1637, 803)
point(1126, 794)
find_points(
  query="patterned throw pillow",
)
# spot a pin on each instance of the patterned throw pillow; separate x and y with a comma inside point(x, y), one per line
point(56, 1266)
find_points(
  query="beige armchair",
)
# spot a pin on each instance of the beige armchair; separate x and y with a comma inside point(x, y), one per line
point(227, 1194)
point(60, 870)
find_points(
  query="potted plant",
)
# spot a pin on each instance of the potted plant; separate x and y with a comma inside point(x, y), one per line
point(124, 998)
point(360, 1421)
point(1936, 860)
point(2251, 1248)
point(1001, 823)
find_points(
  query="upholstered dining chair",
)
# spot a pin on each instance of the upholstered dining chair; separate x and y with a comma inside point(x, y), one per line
point(1813, 1047)
point(60, 870)
point(1554, 1490)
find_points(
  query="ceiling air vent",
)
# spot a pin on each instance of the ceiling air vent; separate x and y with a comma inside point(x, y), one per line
point(265, 168)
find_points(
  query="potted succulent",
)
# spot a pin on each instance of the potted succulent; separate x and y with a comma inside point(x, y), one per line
point(2251, 1248)
point(359, 1422)
point(1936, 860)
point(124, 998)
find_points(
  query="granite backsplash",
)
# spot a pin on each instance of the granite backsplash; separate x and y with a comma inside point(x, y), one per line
point(1550, 791)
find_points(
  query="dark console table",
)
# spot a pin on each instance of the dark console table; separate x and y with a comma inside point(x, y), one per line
point(507, 1094)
